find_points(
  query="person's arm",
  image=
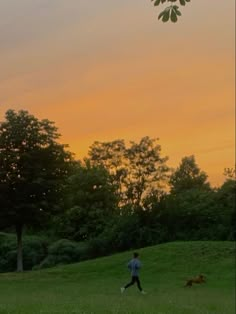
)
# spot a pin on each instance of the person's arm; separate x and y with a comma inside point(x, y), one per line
point(138, 265)
point(129, 265)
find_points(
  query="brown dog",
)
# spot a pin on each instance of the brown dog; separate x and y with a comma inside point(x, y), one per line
point(198, 279)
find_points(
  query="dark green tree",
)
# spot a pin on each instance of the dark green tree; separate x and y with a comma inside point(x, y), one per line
point(226, 200)
point(193, 214)
point(194, 210)
point(91, 203)
point(171, 12)
point(33, 169)
point(188, 176)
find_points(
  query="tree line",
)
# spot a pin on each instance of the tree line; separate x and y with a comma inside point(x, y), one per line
point(119, 197)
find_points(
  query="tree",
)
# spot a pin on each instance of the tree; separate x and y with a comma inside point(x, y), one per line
point(90, 201)
point(33, 169)
point(171, 12)
point(188, 176)
point(193, 214)
point(147, 169)
point(136, 170)
point(227, 202)
point(111, 155)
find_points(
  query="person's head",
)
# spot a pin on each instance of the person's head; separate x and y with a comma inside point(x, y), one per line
point(136, 255)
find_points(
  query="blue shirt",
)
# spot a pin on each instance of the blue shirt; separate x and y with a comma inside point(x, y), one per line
point(134, 266)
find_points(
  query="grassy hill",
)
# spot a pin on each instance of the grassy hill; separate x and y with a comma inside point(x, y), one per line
point(93, 287)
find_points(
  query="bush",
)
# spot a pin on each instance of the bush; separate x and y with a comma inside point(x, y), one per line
point(62, 252)
point(99, 246)
point(37, 253)
point(34, 251)
point(8, 262)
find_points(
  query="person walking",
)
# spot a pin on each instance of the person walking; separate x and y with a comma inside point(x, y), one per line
point(134, 266)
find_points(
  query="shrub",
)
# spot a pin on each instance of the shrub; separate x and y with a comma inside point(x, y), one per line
point(62, 252)
point(34, 251)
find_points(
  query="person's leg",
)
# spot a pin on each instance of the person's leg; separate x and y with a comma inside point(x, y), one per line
point(130, 283)
point(138, 283)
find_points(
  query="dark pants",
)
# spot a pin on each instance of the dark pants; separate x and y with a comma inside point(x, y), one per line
point(132, 282)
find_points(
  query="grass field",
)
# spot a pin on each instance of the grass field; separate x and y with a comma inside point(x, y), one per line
point(93, 287)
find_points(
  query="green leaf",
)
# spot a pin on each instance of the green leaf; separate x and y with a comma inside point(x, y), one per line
point(161, 15)
point(166, 16)
point(173, 16)
point(178, 12)
point(176, 9)
point(157, 2)
point(172, 12)
point(182, 2)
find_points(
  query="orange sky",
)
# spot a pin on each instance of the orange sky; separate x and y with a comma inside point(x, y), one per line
point(104, 70)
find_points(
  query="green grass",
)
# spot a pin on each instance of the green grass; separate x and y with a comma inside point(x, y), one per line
point(93, 287)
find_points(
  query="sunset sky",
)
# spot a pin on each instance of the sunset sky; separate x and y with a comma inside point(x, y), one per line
point(106, 70)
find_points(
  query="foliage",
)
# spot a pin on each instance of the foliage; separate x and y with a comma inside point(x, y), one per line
point(192, 215)
point(227, 205)
point(130, 230)
point(111, 155)
point(172, 12)
point(63, 251)
point(114, 200)
point(33, 169)
point(147, 169)
point(136, 170)
point(188, 176)
point(34, 248)
point(90, 203)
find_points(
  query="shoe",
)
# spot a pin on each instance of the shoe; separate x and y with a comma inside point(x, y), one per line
point(143, 292)
point(122, 289)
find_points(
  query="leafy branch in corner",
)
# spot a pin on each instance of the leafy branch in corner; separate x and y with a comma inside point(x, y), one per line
point(172, 12)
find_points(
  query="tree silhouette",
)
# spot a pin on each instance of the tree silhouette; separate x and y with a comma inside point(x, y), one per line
point(33, 169)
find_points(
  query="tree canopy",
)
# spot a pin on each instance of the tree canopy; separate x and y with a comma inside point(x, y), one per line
point(188, 176)
point(90, 202)
point(33, 168)
point(136, 170)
